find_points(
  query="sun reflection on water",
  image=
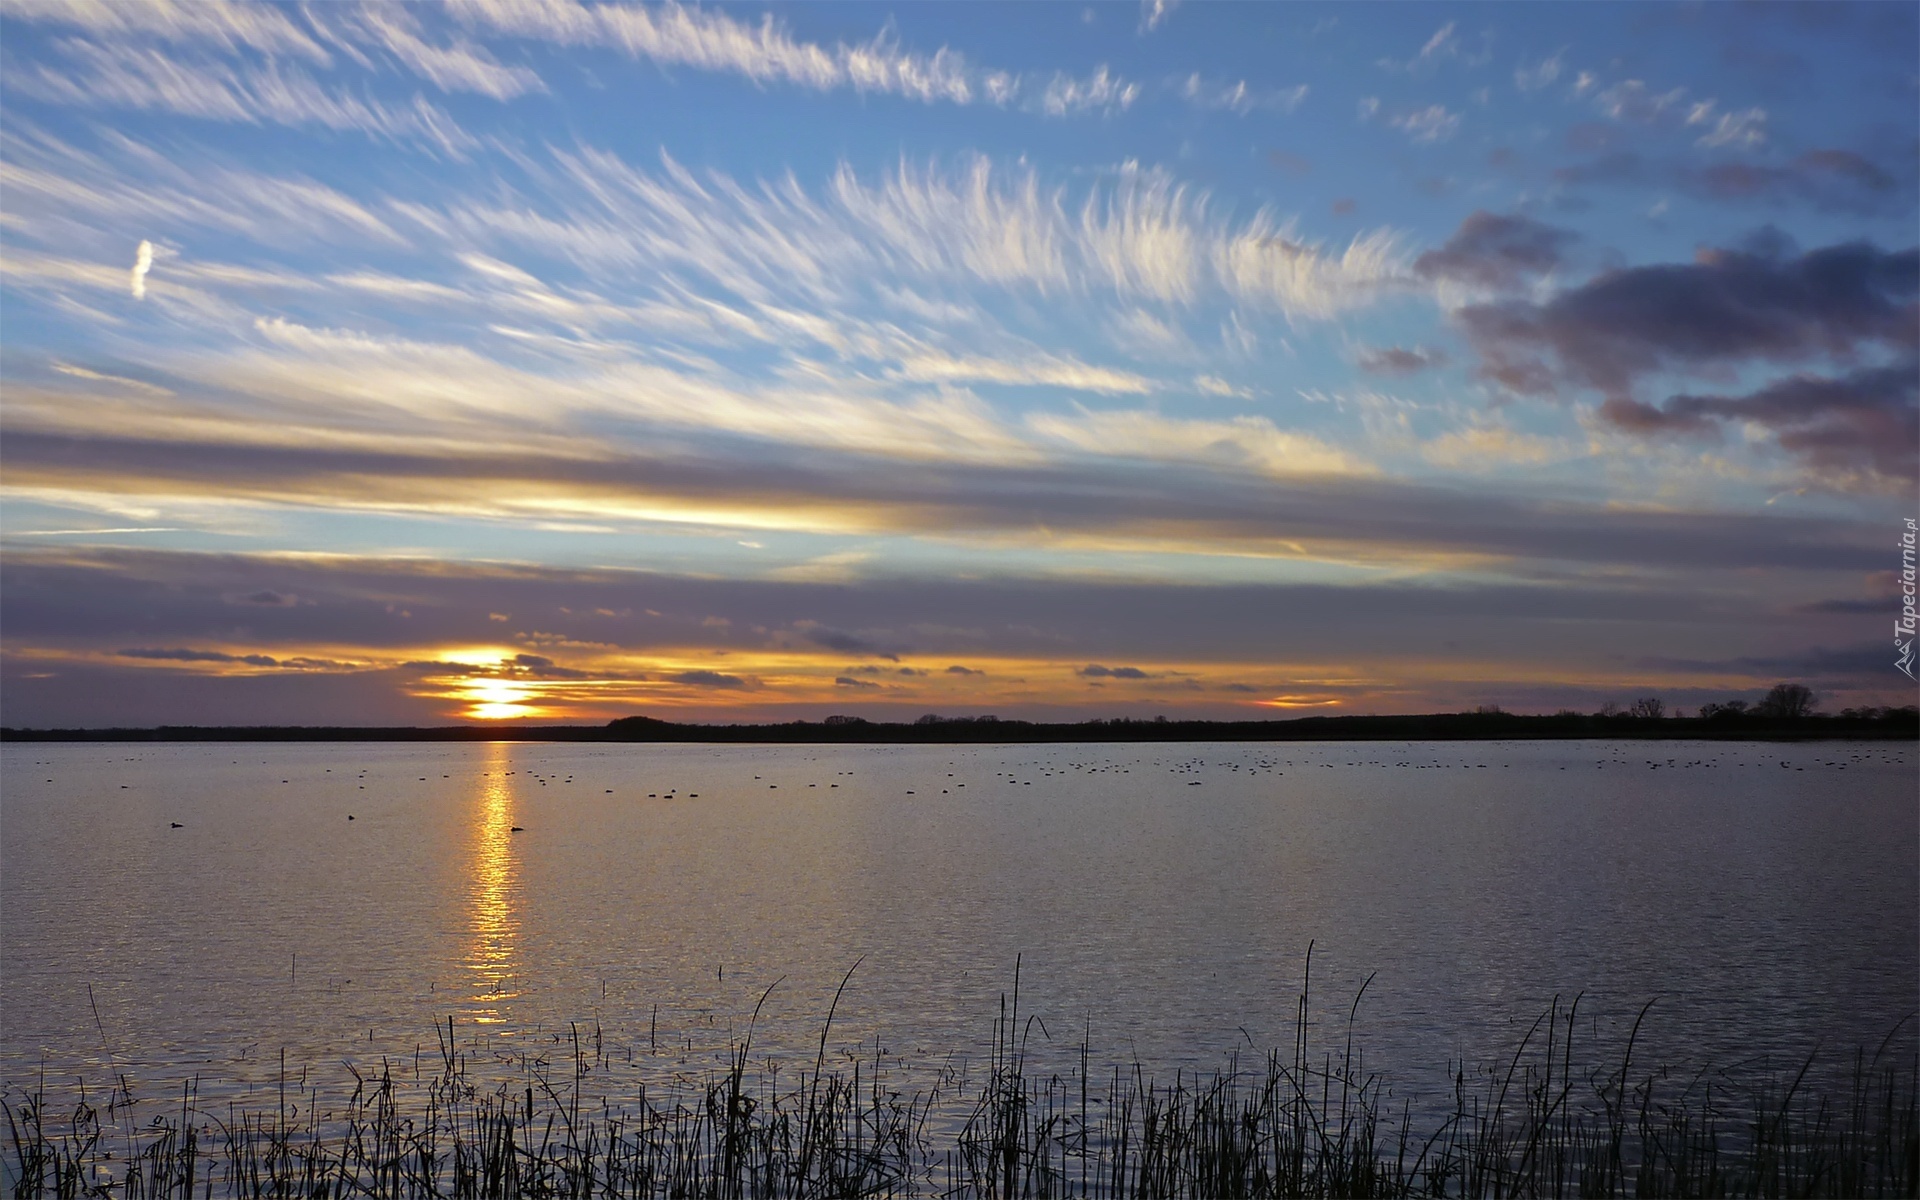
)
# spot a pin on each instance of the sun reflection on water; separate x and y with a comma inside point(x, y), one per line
point(491, 956)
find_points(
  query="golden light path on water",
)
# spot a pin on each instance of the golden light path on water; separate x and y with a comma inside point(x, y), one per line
point(494, 888)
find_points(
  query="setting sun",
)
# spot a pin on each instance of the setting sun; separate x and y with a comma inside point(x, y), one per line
point(497, 700)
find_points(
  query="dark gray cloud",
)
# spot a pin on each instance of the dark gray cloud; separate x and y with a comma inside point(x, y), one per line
point(1096, 671)
point(843, 641)
point(87, 695)
point(1867, 418)
point(712, 679)
point(55, 602)
point(1399, 360)
point(848, 681)
point(1494, 251)
point(537, 666)
point(201, 656)
point(1376, 517)
point(1835, 666)
point(130, 597)
point(1831, 180)
point(1725, 308)
point(268, 598)
point(1850, 607)
point(957, 669)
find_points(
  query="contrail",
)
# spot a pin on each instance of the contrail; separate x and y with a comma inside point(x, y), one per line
point(142, 263)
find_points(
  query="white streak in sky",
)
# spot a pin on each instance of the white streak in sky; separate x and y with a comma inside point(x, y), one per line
point(142, 263)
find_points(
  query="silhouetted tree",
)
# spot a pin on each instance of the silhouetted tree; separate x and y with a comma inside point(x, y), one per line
point(1732, 710)
point(1650, 708)
point(1787, 701)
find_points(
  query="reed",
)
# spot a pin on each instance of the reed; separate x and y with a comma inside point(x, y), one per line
point(1303, 1121)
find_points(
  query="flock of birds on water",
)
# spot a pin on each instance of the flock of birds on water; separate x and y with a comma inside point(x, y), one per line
point(1826, 757)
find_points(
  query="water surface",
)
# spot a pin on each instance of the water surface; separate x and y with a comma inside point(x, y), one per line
point(1160, 900)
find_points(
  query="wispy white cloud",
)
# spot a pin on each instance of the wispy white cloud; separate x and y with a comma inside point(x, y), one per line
point(1541, 74)
point(706, 39)
point(1632, 100)
point(396, 287)
point(1146, 238)
point(235, 275)
point(1067, 95)
point(1267, 262)
point(674, 34)
point(1236, 337)
point(127, 76)
point(228, 24)
point(1433, 123)
point(1483, 446)
point(1045, 370)
point(1238, 97)
point(54, 187)
point(354, 391)
point(1213, 385)
point(93, 376)
point(1746, 130)
point(440, 395)
point(457, 66)
point(1247, 443)
point(272, 32)
point(1141, 235)
point(1444, 45)
point(1001, 232)
point(1141, 334)
point(1154, 13)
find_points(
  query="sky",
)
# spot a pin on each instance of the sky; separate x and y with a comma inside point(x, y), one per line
point(554, 361)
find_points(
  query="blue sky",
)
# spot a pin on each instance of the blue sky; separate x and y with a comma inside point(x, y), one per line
point(406, 363)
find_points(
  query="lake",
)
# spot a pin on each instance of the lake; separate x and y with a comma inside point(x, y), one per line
point(341, 902)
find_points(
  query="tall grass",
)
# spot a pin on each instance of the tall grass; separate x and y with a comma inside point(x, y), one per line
point(1303, 1121)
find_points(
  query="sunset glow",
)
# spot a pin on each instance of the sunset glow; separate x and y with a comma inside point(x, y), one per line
point(499, 700)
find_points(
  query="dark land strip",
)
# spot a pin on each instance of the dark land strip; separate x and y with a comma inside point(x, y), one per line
point(1897, 724)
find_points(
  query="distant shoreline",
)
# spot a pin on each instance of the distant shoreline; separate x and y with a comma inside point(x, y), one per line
point(1891, 725)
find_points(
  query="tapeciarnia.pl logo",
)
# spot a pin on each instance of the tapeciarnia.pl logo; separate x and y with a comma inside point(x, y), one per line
point(1903, 626)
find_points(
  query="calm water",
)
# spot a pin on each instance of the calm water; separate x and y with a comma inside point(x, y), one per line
point(1161, 900)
